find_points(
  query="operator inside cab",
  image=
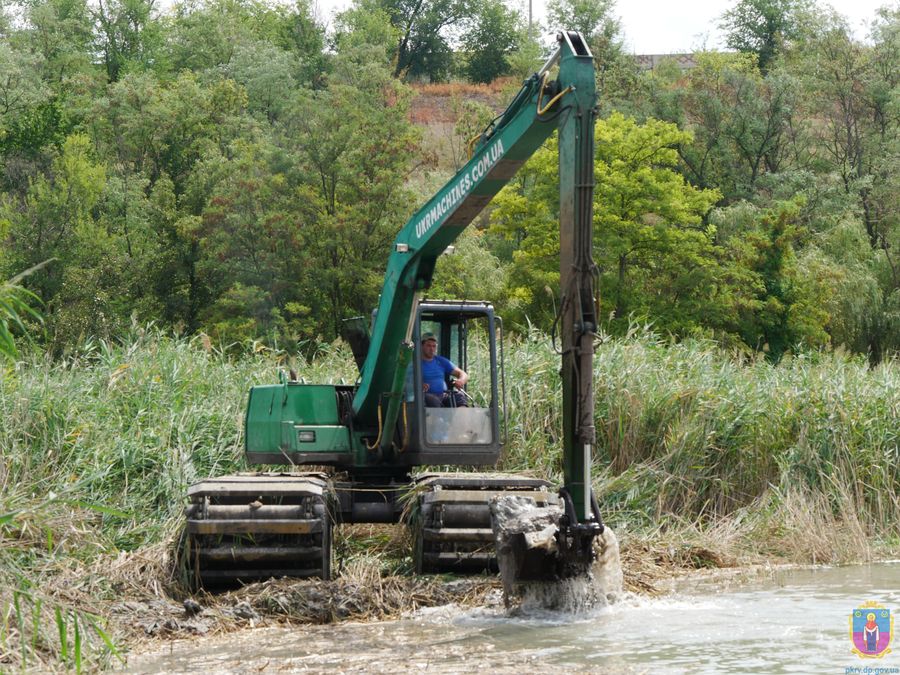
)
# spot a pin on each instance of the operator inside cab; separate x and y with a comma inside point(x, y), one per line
point(435, 371)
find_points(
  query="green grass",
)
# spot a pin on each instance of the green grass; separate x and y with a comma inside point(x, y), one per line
point(96, 452)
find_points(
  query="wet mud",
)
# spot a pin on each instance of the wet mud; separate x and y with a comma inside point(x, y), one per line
point(364, 595)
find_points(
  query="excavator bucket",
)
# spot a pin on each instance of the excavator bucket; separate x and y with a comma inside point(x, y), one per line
point(540, 544)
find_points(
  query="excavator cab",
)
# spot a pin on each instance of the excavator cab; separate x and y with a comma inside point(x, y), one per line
point(465, 428)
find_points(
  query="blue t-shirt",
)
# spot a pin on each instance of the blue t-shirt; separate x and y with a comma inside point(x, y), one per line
point(434, 372)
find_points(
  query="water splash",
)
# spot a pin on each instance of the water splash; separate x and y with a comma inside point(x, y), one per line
point(601, 584)
point(600, 587)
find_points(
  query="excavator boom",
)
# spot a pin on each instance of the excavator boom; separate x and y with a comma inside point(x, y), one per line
point(542, 106)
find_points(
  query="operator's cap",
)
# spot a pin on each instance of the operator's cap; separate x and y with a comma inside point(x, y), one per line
point(428, 336)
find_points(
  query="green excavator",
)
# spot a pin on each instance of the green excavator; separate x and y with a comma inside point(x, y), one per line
point(367, 438)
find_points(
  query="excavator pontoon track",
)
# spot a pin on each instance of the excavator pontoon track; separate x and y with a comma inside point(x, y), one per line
point(451, 518)
point(249, 527)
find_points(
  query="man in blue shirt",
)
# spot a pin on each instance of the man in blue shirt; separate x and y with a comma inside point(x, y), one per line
point(435, 369)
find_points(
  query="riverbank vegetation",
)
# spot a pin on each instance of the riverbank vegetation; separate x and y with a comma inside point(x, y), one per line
point(704, 457)
point(233, 172)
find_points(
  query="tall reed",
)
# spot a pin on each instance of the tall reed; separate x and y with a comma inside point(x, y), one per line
point(97, 450)
point(687, 430)
point(96, 453)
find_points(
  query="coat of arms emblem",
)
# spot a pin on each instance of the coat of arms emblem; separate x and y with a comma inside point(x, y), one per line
point(871, 630)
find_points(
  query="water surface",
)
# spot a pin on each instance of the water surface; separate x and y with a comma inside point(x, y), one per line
point(788, 621)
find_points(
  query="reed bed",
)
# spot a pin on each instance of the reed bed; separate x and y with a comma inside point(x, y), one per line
point(96, 451)
point(708, 454)
point(689, 433)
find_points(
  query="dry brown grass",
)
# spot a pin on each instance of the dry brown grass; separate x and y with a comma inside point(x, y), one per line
point(362, 594)
point(434, 103)
point(809, 527)
point(464, 88)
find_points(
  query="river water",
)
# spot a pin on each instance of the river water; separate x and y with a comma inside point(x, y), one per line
point(784, 621)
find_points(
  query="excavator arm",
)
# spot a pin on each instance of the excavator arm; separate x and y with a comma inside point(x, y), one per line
point(566, 104)
point(542, 106)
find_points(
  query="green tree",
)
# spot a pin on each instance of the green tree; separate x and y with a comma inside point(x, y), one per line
point(650, 221)
point(159, 128)
point(354, 164)
point(764, 27)
point(56, 220)
point(743, 125)
point(470, 272)
point(841, 269)
point(790, 307)
point(424, 27)
point(29, 116)
point(489, 42)
point(852, 89)
point(367, 27)
point(61, 32)
point(21, 86)
point(250, 236)
point(530, 53)
point(656, 255)
point(293, 228)
point(304, 37)
point(44, 224)
point(128, 35)
point(267, 74)
point(203, 34)
point(364, 38)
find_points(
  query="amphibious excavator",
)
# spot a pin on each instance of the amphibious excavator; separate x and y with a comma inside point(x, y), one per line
point(370, 436)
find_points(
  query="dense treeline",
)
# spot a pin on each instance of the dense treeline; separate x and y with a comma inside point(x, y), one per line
point(232, 167)
point(751, 198)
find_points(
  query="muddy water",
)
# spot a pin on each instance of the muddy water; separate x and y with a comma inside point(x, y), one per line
point(789, 621)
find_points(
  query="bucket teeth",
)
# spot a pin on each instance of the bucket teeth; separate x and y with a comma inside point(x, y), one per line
point(251, 527)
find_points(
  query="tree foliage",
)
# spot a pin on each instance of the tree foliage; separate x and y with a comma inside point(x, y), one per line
point(423, 46)
point(490, 41)
point(764, 27)
point(655, 253)
point(228, 166)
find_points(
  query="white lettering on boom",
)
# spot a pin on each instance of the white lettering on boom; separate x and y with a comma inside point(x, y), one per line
point(460, 189)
